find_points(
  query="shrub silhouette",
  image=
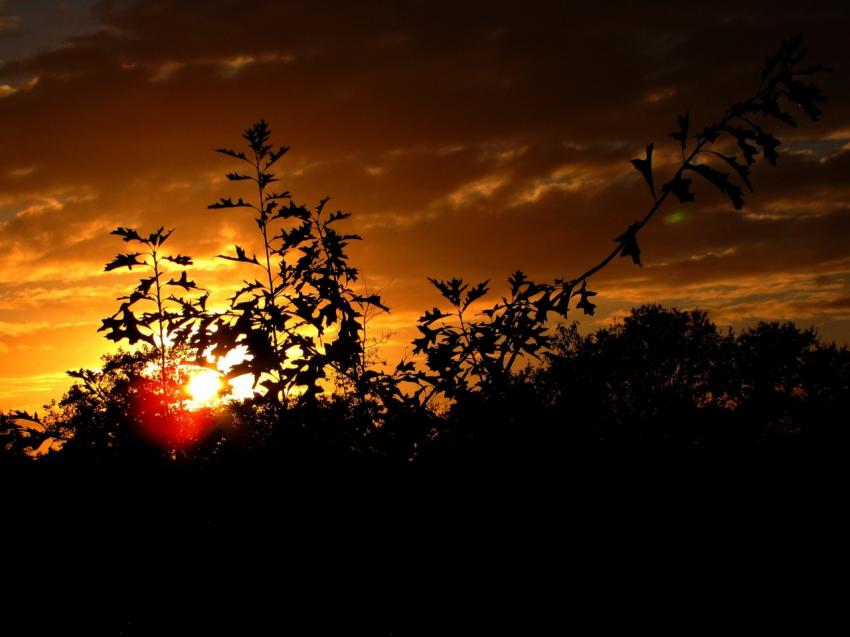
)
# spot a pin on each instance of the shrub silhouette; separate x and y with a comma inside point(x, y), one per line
point(304, 316)
point(165, 325)
point(24, 435)
point(661, 378)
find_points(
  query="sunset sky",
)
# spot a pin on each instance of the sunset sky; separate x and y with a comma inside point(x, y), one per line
point(467, 139)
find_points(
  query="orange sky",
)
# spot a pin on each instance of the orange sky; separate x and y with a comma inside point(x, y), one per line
point(466, 140)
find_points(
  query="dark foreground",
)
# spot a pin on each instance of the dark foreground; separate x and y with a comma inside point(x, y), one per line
point(655, 475)
point(490, 548)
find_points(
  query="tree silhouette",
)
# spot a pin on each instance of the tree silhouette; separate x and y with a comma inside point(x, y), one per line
point(303, 316)
point(462, 355)
point(166, 324)
point(24, 435)
point(669, 379)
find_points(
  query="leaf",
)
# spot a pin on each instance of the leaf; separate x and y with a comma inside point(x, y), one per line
point(179, 259)
point(232, 153)
point(373, 300)
point(157, 238)
point(630, 245)
point(644, 166)
point(135, 297)
point(293, 210)
point(561, 302)
point(584, 302)
point(451, 290)
point(275, 155)
point(769, 144)
point(430, 317)
point(710, 133)
point(475, 293)
point(771, 107)
point(805, 95)
point(128, 234)
point(145, 285)
point(240, 256)
point(279, 195)
point(743, 171)
point(264, 179)
point(229, 203)
point(517, 280)
point(744, 136)
point(403, 366)
point(258, 136)
point(428, 337)
point(183, 282)
point(721, 181)
point(544, 305)
point(238, 177)
point(680, 187)
point(336, 216)
point(127, 327)
point(124, 261)
point(682, 134)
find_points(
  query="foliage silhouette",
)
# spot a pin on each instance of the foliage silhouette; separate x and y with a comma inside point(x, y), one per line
point(24, 435)
point(169, 321)
point(662, 382)
point(669, 379)
point(304, 317)
point(118, 410)
point(463, 354)
point(661, 379)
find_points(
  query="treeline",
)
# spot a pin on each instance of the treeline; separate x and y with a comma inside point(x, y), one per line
point(661, 380)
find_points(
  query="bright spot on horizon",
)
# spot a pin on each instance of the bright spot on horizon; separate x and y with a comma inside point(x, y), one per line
point(675, 217)
point(241, 387)
point(204, 386)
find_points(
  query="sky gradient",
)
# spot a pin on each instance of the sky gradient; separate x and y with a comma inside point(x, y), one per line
point(466, 140)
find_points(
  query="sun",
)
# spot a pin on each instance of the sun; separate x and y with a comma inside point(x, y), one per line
point(204, 386)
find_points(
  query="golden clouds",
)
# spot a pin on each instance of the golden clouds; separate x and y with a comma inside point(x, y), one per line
point(467, 146)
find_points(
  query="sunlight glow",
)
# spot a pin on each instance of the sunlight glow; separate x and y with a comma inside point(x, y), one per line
point(241, 387)
point(204, 386)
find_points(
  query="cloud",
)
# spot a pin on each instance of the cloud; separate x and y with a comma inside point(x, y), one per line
point(475, 191)
point(9, 23)
point(466, 139)
point(7, 90)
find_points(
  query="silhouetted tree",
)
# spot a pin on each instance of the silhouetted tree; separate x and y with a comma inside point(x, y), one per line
point(165, 325)
point(664, 378)
point(24, 436)
point(463, 354)
point(302, 316)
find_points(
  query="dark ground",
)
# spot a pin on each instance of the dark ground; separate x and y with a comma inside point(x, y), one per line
point(485, 550)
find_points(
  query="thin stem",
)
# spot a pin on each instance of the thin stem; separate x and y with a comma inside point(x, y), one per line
point(271, 299)
point(658, 203)
point(476, 365)
point(759, 94)
point(160, 321)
